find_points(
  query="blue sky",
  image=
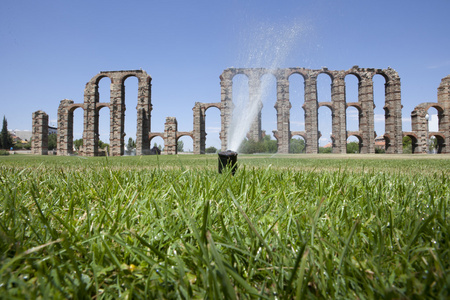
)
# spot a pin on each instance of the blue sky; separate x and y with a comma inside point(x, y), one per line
point(50, 49)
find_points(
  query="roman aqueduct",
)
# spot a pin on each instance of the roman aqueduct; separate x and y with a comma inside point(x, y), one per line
point(393, 134)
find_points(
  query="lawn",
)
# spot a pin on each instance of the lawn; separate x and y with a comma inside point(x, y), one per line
point(285, 226)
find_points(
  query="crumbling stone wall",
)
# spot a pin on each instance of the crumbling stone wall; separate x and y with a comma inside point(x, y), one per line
point(338, 106)
point(199, 132)
point(116, 105)
point(171, 135)
point(39, 138)
point(420, 134)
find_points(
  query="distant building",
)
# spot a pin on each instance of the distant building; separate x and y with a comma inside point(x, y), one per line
point(380, 142)
point(52, 130)
point(24, 135)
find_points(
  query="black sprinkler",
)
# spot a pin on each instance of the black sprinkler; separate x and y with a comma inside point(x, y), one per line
point(228, 159)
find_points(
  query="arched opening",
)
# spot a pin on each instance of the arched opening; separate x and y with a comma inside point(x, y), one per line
point(212, 128)
point(297, 144)
point(323, 87)
point(268, 111)
point(352, 114)
point(325, 129)
point(297, 99)
point(409, 144)
point(436, 144)
point(242, 116)
point(77, 130)
point(157, 142)
point(104, 96)
point(103, 131)
point(434, 119)
point(379, 112)
point(354, 144)
point(352, 118)
point(104, 90)
point(351, 88)
point(130, 90)
point(184, 145)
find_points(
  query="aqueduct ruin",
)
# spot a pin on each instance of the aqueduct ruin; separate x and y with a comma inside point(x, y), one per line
point(393, 134)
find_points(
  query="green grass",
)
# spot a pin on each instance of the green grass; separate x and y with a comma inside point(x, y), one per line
point(171, 227)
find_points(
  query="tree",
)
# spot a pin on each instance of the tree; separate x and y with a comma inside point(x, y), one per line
point(353, 147)
point(266, 145)
point(157, 146)
point(5, 136)
point(270, 146)
point(325, 150)
point(131, 144)
point(78, 144)
point(211, 149)
point(103, 145)
point(407, 144)
point(180, 146)
point(52, 141)
point(297, 146)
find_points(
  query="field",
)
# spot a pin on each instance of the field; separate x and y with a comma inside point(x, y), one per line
point(305, 226)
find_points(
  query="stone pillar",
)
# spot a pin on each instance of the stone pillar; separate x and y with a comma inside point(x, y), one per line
point(339, 121)
point(39, 139)
point(226, 94)
point(254, 88)
point(65, 128)
point(90, 124)
point(311, 118)
point(144, 108)
point(444, 100)
point(170, 135)
point(367, 116)
point(283, 107)
point(199, 132)
point(117, 118)
point(419, 125)
point(393, 114)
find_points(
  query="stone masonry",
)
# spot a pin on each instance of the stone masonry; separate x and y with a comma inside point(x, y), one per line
point(39, 138)
point(338, 106)
point(420, 135)
point(117, 108)
point(393, 134)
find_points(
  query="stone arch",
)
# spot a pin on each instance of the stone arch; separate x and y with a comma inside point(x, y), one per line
point(360, 112)
point(440, 139)
point(419, 125)
point(183, 134)
point(212, 125)
point(155, 134)
point(326, 132)
point(151, 139)
point(117, 112)
point(302, 135)
point(297, 99)
point(393, 109)
point(360, 139)
point(267, 107)
point(415, 148)
point(65, 126)
point(381, 107)
point(199, 131)
point(440, 113)
point(320, 90)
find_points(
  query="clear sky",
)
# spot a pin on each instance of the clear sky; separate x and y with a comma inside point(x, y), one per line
point(50, 49)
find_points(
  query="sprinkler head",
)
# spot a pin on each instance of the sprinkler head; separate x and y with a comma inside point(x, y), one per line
point(228, 159)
